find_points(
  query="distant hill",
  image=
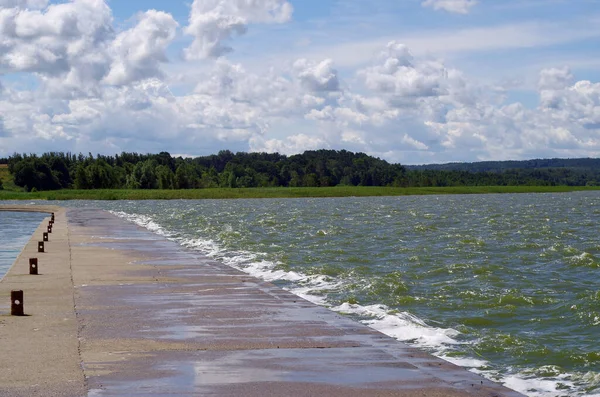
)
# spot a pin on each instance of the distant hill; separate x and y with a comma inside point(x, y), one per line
point(501, 166)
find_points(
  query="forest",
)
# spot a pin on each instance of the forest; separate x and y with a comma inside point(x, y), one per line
point(499, 166)
point(320, 168)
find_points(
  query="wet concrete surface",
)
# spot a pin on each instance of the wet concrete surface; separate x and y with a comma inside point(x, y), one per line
point(156, 319)
point(39, 352)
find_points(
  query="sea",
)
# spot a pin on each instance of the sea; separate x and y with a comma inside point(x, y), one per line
point(504, 285)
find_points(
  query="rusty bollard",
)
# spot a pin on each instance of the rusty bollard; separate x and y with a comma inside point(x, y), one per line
point(16, 303)
point(40, 246)
point(33, 266)
point(45, 236)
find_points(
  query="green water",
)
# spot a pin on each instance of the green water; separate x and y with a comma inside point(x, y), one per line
point(506, 285)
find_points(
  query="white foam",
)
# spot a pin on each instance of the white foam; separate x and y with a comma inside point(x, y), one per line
point(403, 326)
point(143, 221)
point(535, 387)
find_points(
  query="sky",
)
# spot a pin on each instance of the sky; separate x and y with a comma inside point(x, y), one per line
point(408, 81)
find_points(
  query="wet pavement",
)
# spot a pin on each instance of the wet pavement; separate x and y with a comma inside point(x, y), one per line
point(157, 319)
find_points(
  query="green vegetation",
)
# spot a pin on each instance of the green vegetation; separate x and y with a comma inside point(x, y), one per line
point(251, 193)
point(499, 166)
point(322, 173)
point(5, 177)
point(323, 168)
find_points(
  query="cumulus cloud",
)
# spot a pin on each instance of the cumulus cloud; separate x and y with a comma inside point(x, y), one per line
point(453, 6)
point(138, 52)
point(421, 106)
point(555, 78)
point(574, 105)
point(213, 22)
point(317, 77)
point(397, 73)
point(566, 123)
point(73, 49)
point(269, 93)
point(56, 39)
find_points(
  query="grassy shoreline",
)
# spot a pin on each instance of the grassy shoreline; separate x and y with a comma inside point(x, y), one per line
point(340, 191)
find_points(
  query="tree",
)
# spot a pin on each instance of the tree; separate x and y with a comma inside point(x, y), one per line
point(99, 175)
point(33, 172)
point(81, 179)
point(209, 179)
point(165, 177)
point(185, 176)
point(164, 158)
point(144, 176)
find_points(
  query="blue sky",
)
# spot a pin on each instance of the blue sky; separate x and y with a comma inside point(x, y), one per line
point(411, 81)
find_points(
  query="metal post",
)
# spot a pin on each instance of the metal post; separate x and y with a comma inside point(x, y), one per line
point(49, 229)
point(52, 217)
point(33, 266)
point(40, 246)
point(16, 303)
point(45, 236)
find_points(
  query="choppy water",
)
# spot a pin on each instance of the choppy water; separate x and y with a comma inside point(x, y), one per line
point(506, 285)
point(16, 229)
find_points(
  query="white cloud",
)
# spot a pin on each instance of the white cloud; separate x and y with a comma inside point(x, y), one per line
point(555, 78)
point(575, 105)
point(398, 75)
point(54, 40)
point(137, 53)
point(414, 143)
point(229, 105)
point(453, 6)
point(213, 22)
point(269, 94)
point(291, 145)
point(566, 123)
point(317, 77)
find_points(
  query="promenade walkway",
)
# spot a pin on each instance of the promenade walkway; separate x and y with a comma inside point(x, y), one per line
point(119, 311)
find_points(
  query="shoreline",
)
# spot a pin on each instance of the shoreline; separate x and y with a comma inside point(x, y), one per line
point(118, 310)
point(279, 192)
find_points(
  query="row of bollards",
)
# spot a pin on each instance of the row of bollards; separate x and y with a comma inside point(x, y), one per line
point(16, 297)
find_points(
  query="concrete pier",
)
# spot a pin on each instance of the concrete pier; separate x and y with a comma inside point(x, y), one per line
point(119, 311)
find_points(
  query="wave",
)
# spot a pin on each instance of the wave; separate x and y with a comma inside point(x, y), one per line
point(403, 326)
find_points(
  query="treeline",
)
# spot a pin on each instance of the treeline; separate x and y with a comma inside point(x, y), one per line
point(510, 177)
point(501, 166)
point(58, 170)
